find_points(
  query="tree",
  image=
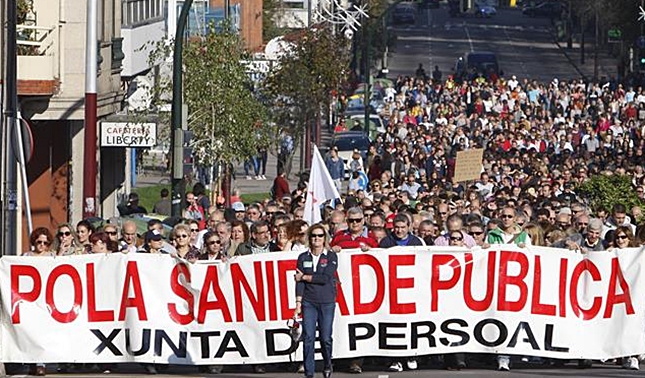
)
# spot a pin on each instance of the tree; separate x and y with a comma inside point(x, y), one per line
point(302, 83)
point(227, 120)
point(604, 191)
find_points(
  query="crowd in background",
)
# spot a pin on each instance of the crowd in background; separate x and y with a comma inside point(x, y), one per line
point(540, 141)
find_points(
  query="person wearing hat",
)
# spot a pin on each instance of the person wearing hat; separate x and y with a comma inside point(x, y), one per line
point(240, 210)
point(153, 242)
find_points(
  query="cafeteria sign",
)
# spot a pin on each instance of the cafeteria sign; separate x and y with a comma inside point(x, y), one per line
point(125, 134)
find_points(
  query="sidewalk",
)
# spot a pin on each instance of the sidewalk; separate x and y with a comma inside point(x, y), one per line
point(245, 186)
point(607, 64)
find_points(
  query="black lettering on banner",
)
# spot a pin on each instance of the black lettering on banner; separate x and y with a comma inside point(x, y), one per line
point(548, 341)
point(353, 337)
point(237, 345)
point(270, 335)
point(106, 342)
point(416, 335)
point(445, 328)
point(204, 341)
point(145, 343)
point(384, 335)
point(479, 336)
point(529, 336)
point(177, 350)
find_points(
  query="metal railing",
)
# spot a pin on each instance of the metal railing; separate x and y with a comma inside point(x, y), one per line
point(36, 40)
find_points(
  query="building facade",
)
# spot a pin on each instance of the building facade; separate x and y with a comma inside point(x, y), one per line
point(51, 90)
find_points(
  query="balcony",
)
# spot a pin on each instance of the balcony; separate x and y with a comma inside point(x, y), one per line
point(37, 60)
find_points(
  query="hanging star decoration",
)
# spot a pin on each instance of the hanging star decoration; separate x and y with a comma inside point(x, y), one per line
point(347, 18)
point(641, 13)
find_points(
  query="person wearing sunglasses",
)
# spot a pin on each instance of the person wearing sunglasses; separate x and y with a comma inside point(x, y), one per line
point(41, 240)
point(508, 232)
point(181, 233)
point(624, 237)
point(66, 242)
point(212, 248)
point(316, 298)
point(477, 231)
point(112, 231)
point(356, 235)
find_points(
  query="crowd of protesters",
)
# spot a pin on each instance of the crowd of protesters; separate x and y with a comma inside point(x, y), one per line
point(540, 141)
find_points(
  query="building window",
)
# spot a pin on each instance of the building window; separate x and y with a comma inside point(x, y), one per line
point(294, 4)
point(140, 12)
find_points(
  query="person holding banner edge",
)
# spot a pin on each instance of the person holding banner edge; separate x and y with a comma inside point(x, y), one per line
point(316, 297)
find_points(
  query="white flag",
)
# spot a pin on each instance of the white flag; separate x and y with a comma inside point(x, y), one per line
point(320, 189)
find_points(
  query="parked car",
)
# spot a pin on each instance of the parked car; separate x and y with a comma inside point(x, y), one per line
point(404, 13)
point(347, 142)
point(481, 9)
point(477, 62)
point(551, 9)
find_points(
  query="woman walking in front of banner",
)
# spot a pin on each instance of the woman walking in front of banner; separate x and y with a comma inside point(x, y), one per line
point(316, 297)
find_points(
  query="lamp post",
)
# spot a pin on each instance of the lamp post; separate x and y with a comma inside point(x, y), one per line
point(177, 135)
point(10, 200)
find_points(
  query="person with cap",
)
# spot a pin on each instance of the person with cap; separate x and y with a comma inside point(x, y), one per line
point(240, 210)
point(153, 242)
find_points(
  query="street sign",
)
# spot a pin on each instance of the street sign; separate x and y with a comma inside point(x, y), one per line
point(614, 35)
point(126, 134)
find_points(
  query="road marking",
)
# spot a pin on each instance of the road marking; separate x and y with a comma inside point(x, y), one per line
point(383, 376)
point(510, 43)
point(470, 41)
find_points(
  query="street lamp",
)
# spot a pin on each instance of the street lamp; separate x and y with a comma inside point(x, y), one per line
point(177, 136)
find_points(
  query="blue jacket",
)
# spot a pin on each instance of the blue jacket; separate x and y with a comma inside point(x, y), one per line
point(391, 241)
point(336, 168)
point(322, 288)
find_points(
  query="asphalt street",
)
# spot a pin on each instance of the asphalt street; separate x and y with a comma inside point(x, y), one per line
point(524, 45)
point(524, 371)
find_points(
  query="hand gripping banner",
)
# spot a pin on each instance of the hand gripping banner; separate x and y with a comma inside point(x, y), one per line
point(397, 302)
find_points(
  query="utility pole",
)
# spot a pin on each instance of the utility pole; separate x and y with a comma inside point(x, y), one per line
point(366, 73)
point(177, 135)
point(91, 70)
point(10, 201)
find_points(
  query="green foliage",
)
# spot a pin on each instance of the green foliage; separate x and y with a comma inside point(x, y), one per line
point(227, 120)
point(23, 8)
point(304, 80)
point(603, 191)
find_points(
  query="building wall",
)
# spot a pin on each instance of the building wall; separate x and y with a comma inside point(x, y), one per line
point(251, 23)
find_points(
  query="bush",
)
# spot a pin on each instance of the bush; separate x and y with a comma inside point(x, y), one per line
point(604, 191)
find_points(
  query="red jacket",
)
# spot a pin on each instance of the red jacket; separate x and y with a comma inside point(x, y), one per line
point(345, 240)
point(280, 187)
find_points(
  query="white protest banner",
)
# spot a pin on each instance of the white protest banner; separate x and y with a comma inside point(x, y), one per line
point(397, 302)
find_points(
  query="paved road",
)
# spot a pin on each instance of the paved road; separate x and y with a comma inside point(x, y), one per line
point(569, 371)
point(525, 46)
